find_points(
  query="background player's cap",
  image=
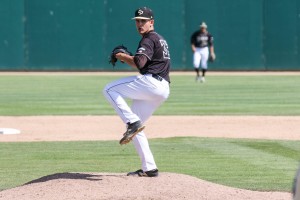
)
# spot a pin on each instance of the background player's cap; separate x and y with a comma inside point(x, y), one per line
point(203, 25)
point(144, 13)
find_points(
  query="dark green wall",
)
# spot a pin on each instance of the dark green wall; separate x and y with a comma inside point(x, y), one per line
point(64, 35)
point(78, 35)
point(169, 14)
point(281, 34)
point(11, 34)
point(237, 30)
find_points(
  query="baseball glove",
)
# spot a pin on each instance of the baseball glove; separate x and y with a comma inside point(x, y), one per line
point(118, 49)
point(212, 57)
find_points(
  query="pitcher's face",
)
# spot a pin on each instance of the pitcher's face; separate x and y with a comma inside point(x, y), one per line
point(143, 26)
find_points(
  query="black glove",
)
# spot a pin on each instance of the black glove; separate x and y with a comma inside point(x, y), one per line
point(118, 49)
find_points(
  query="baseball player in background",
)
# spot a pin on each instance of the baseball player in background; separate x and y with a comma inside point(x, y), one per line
point(203, 49)
point(147, 90)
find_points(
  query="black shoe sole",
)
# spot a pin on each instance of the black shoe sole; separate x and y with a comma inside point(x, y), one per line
point(140, 173)
point(127, 138)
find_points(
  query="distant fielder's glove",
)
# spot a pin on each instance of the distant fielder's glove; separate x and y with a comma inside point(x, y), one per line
point(118, 49)
point(212, 57)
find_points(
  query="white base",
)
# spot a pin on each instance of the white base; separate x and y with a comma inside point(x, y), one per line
point(9, 131)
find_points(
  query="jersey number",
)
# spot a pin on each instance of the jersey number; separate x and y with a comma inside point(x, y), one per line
point(166, 53)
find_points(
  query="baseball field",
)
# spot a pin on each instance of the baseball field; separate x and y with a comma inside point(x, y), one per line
point(236, 136)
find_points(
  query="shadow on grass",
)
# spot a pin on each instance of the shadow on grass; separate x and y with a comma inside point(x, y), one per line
point(69, 175)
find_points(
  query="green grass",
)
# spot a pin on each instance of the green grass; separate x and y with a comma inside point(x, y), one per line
point(235, 95)
point(220, 95)
point(252, 164)
point(53, 95)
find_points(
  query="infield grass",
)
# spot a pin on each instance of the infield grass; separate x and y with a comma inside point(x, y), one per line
point(252, 164)
point(220, 95)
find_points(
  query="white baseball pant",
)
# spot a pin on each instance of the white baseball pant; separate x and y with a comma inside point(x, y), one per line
point(147, 94)
point(200, 56)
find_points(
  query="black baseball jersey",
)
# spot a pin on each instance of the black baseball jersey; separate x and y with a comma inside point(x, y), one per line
point(200, 39)
point(155, 48)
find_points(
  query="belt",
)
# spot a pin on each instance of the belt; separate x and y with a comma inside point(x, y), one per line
point(157, 77)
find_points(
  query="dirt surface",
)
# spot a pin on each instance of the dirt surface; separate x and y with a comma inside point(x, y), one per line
point(84, 186)
point(118, 186)
point(72, 128)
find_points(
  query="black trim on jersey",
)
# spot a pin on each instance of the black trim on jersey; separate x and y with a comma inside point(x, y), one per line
point(144, 55)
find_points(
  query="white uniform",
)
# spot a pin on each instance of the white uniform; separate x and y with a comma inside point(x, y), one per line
point(147, 91)
point(200, 57)
point(201, 41)
point(147, 94)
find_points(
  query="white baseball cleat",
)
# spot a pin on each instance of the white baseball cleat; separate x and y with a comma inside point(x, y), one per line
point(202, 80)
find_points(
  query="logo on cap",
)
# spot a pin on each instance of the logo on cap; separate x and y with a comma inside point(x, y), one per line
point(140, 12)
point(143, 13)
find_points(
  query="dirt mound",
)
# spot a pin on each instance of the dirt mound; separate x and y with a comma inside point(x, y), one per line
point(83, 186)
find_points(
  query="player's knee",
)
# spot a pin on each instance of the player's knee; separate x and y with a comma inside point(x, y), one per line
point(106, 89)
point(196, 65)
point(204, 66)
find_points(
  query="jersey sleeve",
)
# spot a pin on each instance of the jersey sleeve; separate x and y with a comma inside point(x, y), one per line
point(145, 48)
point(210, 40)
point(193, 38)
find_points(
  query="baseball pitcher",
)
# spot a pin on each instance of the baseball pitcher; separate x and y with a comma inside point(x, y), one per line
point(147, 90)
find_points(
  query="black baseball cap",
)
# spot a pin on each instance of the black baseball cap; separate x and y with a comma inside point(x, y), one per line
point(143, 13)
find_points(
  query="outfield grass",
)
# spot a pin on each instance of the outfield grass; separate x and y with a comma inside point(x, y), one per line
point(251, 164)
point(220, 95)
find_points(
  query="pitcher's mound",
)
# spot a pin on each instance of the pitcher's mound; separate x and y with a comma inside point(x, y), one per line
point(83, 186)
